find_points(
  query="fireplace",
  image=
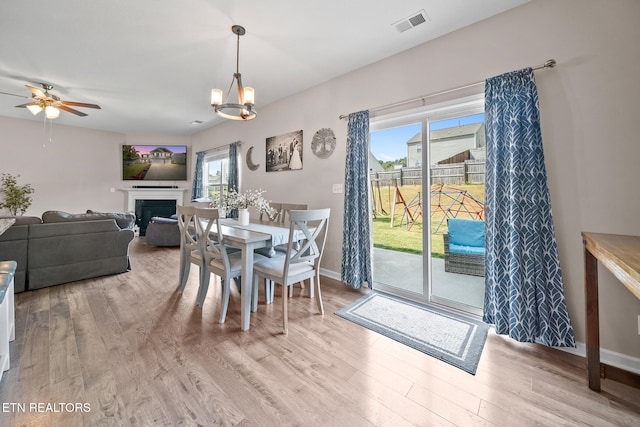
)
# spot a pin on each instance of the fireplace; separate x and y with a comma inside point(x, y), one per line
point(167, 199)
point(147, 209)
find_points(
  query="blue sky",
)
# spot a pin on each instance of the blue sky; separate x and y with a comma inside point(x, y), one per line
point(390, 144)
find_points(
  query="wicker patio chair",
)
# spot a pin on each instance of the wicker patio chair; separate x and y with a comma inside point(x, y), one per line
point(464, 247)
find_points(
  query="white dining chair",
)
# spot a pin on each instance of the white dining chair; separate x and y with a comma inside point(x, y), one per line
point(307, 235)
point(281, 217)
point(216, 257)
point(189, 251)
point(275, 215)
point(286, 208)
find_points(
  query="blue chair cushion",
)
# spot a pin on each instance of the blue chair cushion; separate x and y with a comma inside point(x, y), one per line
point(466, 232)
point(467, 250)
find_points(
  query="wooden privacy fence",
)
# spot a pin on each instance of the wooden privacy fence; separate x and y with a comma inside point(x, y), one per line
point(467, 172)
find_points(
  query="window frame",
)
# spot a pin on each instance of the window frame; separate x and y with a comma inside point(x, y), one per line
point(221, 157)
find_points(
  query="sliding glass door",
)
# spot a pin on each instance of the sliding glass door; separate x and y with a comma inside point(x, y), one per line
point(427, 167)
point(395, 167)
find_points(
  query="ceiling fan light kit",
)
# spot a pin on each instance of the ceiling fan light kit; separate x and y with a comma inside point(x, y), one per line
point(34, 108)
point(244, 108)
point(51, 112)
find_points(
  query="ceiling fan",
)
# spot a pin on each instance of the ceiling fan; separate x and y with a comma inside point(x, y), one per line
point(51, 104)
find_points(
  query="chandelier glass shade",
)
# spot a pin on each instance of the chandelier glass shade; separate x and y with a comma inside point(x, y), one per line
point(244, 108)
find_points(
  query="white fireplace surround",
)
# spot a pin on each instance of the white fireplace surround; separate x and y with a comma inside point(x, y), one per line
point(134, 194)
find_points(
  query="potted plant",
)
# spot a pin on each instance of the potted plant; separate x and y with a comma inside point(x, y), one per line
point(17, 198)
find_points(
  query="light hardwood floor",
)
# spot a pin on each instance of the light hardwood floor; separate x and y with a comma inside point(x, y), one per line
point(132, 351)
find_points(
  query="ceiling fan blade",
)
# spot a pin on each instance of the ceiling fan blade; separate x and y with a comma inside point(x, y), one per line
point(27, 104)
point(37, 92)
point(80, 104)
point(71, 110)
point(13, 94)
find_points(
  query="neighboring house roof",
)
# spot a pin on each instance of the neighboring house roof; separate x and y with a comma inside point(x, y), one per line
point(449, 133)
point(374, 164)
point(161, 150)
point(415, 138)
point(445, 143)
point(456, 132)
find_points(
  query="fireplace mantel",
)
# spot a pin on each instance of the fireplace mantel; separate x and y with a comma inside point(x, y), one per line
point(134, 194)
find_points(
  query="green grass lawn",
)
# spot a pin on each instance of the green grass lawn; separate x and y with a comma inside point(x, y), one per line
point(399, 237)
point(129, 171)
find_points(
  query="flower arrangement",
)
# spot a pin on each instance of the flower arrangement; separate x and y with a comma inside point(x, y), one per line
point(250, 198)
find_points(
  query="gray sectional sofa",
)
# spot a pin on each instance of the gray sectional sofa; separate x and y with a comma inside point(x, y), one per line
point(61, 247)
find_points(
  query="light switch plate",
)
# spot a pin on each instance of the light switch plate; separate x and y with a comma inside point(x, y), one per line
point(337, 188)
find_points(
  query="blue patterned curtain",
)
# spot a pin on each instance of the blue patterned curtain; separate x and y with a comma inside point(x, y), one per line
point(233, 174)
point(524, 294)
point(356, 240)
point(233, 167)
point(197, 190)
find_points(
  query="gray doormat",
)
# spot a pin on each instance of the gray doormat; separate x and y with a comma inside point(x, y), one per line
point(450, 337)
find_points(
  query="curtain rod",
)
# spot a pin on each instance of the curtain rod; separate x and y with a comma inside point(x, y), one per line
point(548, 64)
point(222, 147)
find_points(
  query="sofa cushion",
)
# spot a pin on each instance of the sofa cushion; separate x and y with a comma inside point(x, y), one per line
point(163, 220)
point(466, 232)
point(13, 246)
point(163, 232)
point(24, 220)
point(123, 219)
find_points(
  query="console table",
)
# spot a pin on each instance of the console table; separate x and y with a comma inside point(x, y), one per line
point(621, 255)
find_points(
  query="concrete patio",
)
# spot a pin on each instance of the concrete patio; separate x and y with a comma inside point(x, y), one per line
point(404, 271)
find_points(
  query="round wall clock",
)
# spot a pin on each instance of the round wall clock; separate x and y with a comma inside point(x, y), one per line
point(323, 143)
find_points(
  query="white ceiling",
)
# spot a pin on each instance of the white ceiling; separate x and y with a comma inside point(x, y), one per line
point(151, 64)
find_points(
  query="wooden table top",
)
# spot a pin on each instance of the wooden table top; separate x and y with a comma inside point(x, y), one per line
point(620, 254)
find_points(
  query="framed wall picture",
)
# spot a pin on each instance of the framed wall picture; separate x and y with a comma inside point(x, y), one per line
point(284, 152)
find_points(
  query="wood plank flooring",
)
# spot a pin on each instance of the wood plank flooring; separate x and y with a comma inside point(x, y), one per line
point(129, 350)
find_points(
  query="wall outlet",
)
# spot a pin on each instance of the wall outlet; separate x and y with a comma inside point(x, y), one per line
point(337, 188)
point(113, 190)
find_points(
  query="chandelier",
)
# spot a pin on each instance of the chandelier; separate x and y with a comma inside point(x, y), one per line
point(243, 109)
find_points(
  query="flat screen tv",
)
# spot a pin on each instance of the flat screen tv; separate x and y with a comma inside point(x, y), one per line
point(154, 163)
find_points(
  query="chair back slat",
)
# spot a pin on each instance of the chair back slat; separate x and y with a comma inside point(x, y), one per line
point(211, 245)
point(186, 225)
point(313, 224)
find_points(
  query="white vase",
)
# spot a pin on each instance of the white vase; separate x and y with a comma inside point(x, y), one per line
point(222, 212)
point(243, 216)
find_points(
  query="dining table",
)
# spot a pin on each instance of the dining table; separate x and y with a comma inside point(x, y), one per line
point(247, 238)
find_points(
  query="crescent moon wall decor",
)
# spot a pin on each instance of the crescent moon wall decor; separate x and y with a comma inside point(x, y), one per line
point(252, 166)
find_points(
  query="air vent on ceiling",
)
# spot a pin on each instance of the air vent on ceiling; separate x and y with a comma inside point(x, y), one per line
point(411, 21)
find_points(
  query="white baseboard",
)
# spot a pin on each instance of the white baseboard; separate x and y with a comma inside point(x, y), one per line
point(331, 274)
point(619, 360)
